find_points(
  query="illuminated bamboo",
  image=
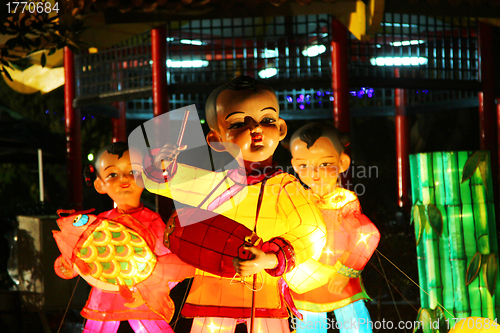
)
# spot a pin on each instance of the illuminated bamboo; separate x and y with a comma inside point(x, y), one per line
point(479, 197)
point(426, 178)
point(468, 232)
point(469, 229)
point(417, 199)
point(458, 263)
point(444, 243)
point(431, 243)
point(487, 305)
point(452, 166)
point(430, 237)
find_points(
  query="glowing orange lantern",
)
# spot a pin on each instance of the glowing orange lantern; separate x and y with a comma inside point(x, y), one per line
point(115, 255)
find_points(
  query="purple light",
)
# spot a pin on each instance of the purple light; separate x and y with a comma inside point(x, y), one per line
point(370, 92)
point(318, 93)
point(328, 93)
point(83, 118)
point(289, 99)
point(47, 111)
point(308, 102)
point(360, 94)
point(301, 106)
point(425, 91)
point(331, 98)
point(319, 102)
point(353, 93)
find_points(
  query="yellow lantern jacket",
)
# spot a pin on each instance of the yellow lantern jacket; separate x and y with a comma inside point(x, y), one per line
point(286, 217)
point(351, 240)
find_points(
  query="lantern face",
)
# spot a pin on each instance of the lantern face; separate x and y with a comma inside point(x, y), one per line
point(146, 140)
point(249, 120)
point(319, 165)
point(115, 177)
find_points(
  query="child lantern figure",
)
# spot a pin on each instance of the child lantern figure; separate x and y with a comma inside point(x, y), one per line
point(243, 116)
point(106, 308)
point(319, 158)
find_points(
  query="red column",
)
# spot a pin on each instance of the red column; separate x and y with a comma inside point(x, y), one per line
point(340, 83)
point(402, 146)
point(340, 86)
point(73, 135)
point(160, 95)
point(159, 56)
point(488, 120)
point(120, 123)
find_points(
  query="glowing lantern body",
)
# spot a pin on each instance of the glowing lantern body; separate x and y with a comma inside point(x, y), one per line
point(284, 214)
point(210, 244)
point(351, 238)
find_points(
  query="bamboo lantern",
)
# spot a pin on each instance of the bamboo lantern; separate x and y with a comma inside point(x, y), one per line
point(454, 218)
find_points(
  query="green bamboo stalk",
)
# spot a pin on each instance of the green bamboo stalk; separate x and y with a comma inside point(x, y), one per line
point(470, 238)
point(490, 206)
point(487, 305)
point(467, 212)
point(458, 262)
point(444, 241)
point(452, 164)
point(438, 176)
point(497, 296)
point(426, 178)
point(480, 214)
point(431, 242)
point(475, 298)
point(421, 256)
point(430, 237)
point(494, 249)
point(445, 263)
point(422, 276)
point(470, 251)
point(452, 181)
point(415, 183)
point(492, 232)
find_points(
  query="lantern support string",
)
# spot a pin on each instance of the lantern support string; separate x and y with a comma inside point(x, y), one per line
point(389, 281)
point(390, 290)
point(69, 303)
point(409, 278)
point(182, 303)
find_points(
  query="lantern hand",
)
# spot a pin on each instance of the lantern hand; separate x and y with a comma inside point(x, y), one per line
point(259, 262)
point(337, 283)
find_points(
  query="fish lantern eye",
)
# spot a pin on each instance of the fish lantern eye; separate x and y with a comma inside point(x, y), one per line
point(80, 220)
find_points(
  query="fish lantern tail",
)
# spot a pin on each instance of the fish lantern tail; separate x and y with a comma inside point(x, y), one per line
point(155, 291)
